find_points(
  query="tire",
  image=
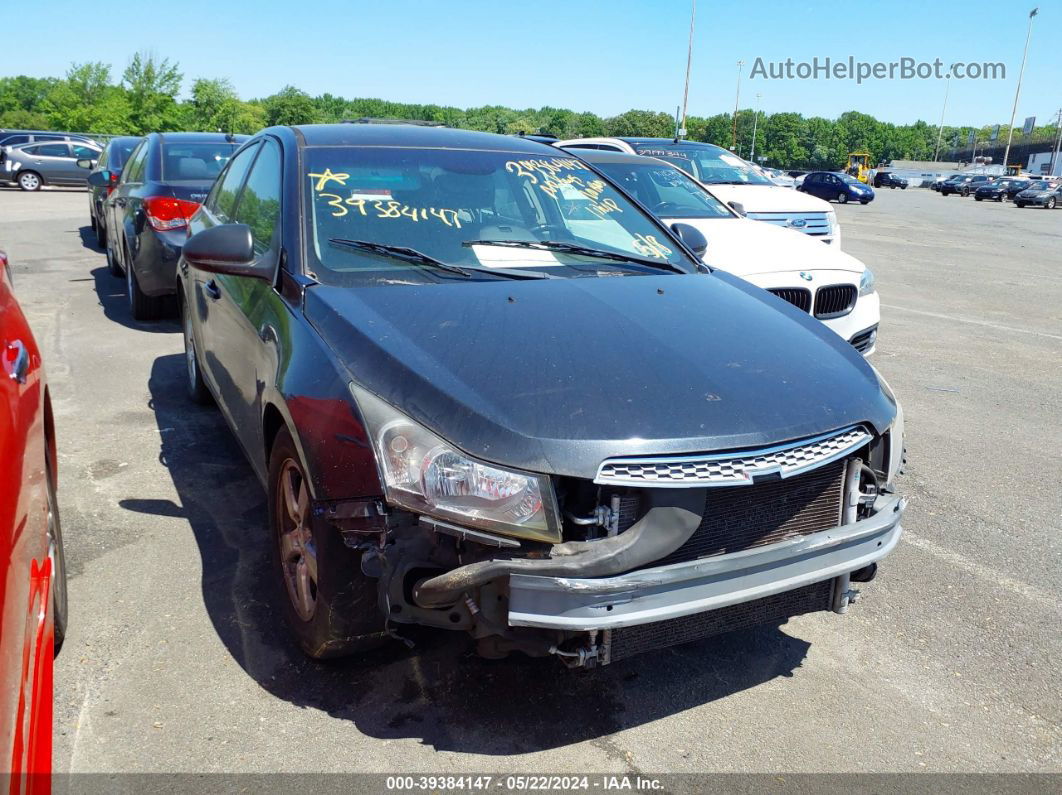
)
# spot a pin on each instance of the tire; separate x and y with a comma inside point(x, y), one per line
point(977, 198)
point(1019, 204)
point(60, 606)
point(30, 180)
point(865, 203)
point(336, 612)
point(196, 388)
point(112, 263)
point(141, 306)
point(903, 187)
point(1050, 204)
point(842, 198)
point(101, 233)
point(964, 193)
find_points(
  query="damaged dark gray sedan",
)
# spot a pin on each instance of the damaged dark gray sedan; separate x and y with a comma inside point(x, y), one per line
point(487, 392)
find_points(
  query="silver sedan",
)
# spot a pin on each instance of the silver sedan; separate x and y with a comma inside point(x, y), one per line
point(47, 163)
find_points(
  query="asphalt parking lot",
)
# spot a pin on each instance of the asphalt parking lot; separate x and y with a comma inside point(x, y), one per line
point(177, 661)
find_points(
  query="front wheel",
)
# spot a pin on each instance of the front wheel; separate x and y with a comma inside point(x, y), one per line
point(903, 187)
point(1019, 204)
point(842, 198)
point(977, 198)
point(29, 180)
point(197, 389)
point(101, 233)
point(329, 604)
point(1050, 203)
point(865, 203)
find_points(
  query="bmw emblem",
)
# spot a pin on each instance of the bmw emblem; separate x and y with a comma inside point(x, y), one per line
point(797, 223)
point(805, 276)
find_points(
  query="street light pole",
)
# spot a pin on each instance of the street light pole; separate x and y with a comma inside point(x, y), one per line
point(1017, 93)
point(689, 62)
point(755, 122)
point(940, 127)
point(737, 99)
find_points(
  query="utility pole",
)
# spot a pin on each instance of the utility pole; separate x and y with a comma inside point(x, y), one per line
point(1058, 146)
point(689, 62)
point(755, 122)
point(940, 127)
point(1017, 92)
point(737, 99)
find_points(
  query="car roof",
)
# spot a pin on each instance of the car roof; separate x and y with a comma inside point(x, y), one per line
point(669, 142)
point(604, 156)
point(192, 137)
point(414, 135)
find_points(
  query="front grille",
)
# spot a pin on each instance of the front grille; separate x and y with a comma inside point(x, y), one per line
point(731, 469)
point(754, 516)
point(835, 301)
point(864, 340)
point(775, 609)
point(797, 296)
point(814, 224)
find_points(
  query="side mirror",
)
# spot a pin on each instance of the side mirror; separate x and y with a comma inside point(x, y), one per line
point(739, 208)
point(226, 249)
point(98, 179)
point(693, 238)
point(85, 162)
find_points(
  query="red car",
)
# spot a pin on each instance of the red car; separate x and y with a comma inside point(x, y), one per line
point(32, 571)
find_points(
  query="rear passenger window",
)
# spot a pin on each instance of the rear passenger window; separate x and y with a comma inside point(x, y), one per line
point(259, 205)
point(135, 169)
point(222, 199)
point(53, 150)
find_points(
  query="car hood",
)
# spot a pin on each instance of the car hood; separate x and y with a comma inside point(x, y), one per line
point(769, 198)
point(745, 248)
point(556, 375)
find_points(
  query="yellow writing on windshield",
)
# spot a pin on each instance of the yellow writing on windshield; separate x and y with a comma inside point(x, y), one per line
point(329, 176)
point(388, 209)
point(553, 177)
point(650, 246)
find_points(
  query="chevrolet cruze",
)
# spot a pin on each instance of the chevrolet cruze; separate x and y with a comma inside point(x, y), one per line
point(479, 408)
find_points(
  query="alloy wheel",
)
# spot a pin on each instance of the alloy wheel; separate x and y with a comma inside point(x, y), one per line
point(298, 555)
point(842, 198)
point(29, 182)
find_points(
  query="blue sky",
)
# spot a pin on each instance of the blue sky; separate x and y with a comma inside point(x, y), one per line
point(604, 56)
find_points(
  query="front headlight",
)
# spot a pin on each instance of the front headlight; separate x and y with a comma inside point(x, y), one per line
point(866, 282)
point(426, 474)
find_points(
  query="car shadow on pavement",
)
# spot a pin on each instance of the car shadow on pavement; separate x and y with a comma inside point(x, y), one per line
point(438, 692)
point(111, 292)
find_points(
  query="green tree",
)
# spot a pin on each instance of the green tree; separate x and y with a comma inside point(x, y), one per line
point(290, 106)
point(152, 87)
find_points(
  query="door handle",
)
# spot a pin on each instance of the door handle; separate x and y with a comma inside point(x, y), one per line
point(212, 289)
point(17, 360)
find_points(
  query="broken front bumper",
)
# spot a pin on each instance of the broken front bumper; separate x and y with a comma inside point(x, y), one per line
point(682, 589)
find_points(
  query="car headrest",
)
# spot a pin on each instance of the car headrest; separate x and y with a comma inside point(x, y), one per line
point(193, 168)
point(465, 191)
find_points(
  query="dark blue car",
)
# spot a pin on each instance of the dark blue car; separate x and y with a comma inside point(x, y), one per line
point(146, 216)
point(840, 188)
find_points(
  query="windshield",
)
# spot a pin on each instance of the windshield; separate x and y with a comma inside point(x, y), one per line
point(446, 203)
point(709, 164)
point(1039, 185)
point(666, 191)
point(850, 179)
point(200, 160)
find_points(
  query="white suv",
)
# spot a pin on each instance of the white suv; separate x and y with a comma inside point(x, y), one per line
point(823, 281)
point(731, 179)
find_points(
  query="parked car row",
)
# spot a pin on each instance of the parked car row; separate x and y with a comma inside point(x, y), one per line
point(1023, 191)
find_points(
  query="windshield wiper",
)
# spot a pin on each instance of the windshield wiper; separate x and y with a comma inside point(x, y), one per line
point(420, 258)
point(574, 248)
